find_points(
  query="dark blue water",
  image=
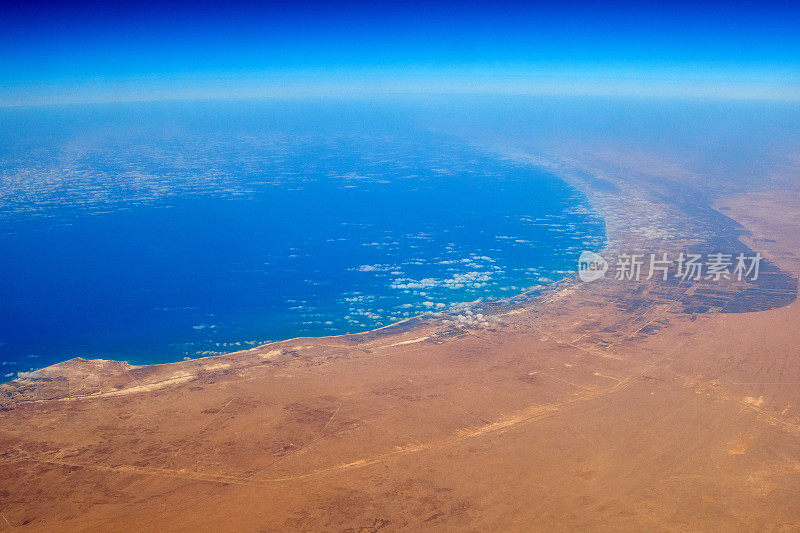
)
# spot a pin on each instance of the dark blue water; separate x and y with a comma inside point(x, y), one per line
point(155, 233)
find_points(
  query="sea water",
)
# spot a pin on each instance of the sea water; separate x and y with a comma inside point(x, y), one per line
point(158, 232)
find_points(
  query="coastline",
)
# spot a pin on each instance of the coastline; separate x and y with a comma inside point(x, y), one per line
point(451, 312)
point(602, 195)
point(572, 390)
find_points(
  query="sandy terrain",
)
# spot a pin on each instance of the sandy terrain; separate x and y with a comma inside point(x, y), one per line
point(604, 406)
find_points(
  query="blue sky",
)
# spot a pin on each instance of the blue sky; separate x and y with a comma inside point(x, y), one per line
point(85, 51)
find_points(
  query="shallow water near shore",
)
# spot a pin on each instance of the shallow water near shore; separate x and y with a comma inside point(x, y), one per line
point(153, 233)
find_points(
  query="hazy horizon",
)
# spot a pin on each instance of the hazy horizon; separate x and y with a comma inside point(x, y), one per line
point(92, 52)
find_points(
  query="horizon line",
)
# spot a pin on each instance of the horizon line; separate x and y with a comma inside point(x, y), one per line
point(716, 85)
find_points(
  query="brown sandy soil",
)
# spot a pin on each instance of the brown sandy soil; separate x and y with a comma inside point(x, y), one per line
point(602, 406)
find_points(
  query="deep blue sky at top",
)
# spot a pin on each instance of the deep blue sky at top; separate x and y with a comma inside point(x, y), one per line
point(52, 43)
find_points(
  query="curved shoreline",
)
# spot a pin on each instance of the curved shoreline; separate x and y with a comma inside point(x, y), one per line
point(609, 405)
point(497, 303)
point(620, 232)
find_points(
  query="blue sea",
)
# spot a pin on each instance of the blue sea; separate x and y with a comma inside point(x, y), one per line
point(158, 232)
